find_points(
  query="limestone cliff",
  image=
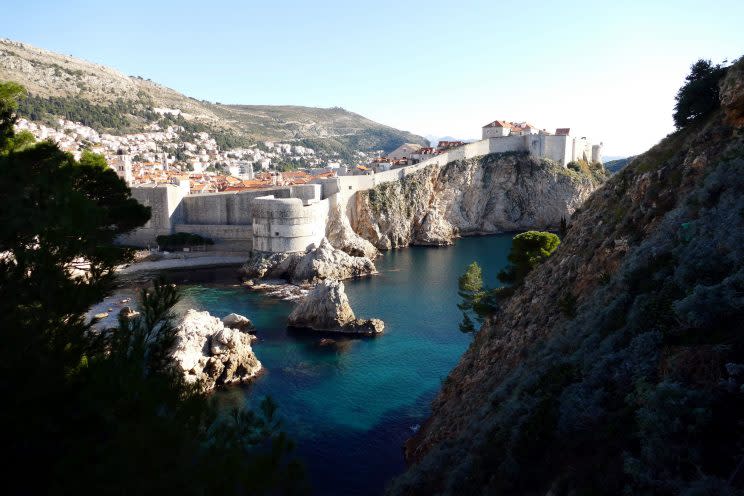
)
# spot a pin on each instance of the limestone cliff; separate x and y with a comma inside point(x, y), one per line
point(618, 366)
point(489, 194)
point(341, 235)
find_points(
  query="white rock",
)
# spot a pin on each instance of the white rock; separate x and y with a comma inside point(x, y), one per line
point(237, 321)
point(207, 351)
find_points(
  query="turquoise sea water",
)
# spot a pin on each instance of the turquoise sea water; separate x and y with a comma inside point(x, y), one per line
point(351, 406)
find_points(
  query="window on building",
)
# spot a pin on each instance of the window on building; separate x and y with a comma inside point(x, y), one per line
point(276, 234)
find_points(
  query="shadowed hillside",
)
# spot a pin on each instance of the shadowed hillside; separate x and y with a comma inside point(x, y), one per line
point(618, 366)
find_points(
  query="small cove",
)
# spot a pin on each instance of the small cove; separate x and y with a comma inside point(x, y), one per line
point(351, 405)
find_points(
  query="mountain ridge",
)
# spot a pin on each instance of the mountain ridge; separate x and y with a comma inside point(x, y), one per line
point(54, 80)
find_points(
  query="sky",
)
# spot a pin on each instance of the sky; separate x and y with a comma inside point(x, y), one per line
point(607, 70)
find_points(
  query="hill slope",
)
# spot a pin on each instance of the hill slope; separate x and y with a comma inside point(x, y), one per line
point(114, 102)
point(618, 367)
point(615, 166)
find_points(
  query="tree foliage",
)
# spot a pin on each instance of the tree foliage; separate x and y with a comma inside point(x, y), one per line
point(700, 94)
point(102, 411)
point(528, 250)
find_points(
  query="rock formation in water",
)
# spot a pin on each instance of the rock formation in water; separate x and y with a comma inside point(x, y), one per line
point(326, 308)
point(490, 194)
point(208, 351)
point(239, 322)
point(318, 263)
point(617, 367)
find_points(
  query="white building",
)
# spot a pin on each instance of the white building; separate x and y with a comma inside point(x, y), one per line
point(404, 151)
point(559, 146)
point(122, 164)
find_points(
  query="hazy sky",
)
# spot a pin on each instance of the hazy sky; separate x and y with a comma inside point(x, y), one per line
point(607, 70)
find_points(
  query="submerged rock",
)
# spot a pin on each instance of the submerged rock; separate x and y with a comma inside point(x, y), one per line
point(209, 352)
point(321, 262)
point(326, 308)
point(99, 316)
point(277, 289)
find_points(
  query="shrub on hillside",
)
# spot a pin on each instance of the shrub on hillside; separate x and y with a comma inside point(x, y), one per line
point(700, 94)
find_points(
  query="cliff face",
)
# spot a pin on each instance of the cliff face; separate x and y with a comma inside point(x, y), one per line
point(618, 367)
point(489, 194)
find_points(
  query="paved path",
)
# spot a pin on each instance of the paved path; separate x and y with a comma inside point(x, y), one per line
point(208, 260)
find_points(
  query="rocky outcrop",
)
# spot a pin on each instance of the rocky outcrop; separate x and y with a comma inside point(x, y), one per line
point(341, 235)
point(278, 289)
point(732, 95)
point(614, 368)
point(326, 308)
point(207, 351)
point(237, 321)
point(318, 263)
point(489, 194)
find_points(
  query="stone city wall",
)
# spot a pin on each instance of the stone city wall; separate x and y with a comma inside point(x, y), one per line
point(165, 211)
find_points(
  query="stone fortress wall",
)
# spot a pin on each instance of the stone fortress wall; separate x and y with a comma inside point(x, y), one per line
point(562, 149)
point(291, 218)
point(290, 224)
point(230, 219)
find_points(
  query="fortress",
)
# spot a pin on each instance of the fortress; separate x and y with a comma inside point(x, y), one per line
point(291, 218)
point(558, 146)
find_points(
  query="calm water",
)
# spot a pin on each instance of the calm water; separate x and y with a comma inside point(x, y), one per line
point(351, 406)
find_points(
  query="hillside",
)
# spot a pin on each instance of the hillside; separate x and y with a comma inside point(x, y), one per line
point(110, 101)
point(614, 166)
point(618, 366)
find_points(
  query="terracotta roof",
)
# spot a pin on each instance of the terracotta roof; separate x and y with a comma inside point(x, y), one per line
point(562, 131)
point(505, 124)
point(327, 174)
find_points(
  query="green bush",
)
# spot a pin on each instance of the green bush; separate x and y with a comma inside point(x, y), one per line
point(700, 94)
point(181, 240)
point(528, 250)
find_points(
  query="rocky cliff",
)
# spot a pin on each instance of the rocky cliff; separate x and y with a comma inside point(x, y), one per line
point(618, 367)
point(489, 194)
